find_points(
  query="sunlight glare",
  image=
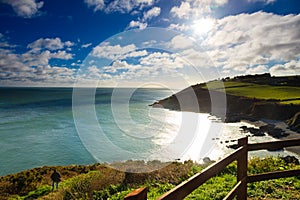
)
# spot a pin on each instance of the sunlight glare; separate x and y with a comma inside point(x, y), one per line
point(202, 26)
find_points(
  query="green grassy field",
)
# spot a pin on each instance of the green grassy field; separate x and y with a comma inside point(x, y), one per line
point(102, 185)
point(283, 94)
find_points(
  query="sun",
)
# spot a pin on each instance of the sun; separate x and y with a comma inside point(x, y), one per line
point(202, 26)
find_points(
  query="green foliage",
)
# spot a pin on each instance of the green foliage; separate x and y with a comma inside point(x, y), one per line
point(39, 192)
point(268, 164)
point(109, 184)
point(81, 186)
point(157, 189)
point(215, 188)
point(285, 94)
point(113, 192)
point(195, 169)
point(285, 188)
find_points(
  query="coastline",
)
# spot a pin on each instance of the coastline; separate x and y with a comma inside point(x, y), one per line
point(284, 127)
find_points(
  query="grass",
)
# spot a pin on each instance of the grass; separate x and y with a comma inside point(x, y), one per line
point(106, 183)
point(283, 94)
point(39, 192)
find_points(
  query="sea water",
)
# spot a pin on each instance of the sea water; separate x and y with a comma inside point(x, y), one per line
point(37, 128)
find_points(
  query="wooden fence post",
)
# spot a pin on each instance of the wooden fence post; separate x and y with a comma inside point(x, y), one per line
point(138, 194)
point(242, 167)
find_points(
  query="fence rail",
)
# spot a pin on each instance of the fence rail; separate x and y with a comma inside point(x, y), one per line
point(240, 189)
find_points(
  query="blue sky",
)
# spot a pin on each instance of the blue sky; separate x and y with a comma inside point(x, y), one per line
point(59, 43)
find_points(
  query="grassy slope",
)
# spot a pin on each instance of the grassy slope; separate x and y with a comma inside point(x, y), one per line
point(284, 94)
point(96, 185)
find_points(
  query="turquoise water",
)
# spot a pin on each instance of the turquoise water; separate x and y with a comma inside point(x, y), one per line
point(39, 126)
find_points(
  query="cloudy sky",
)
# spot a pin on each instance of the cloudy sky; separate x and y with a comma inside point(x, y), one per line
point(145, 42)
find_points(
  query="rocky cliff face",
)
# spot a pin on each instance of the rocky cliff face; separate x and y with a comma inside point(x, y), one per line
point(234, 109)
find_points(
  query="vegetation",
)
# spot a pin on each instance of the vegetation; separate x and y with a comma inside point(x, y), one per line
point(101, 182)
point(282, 94)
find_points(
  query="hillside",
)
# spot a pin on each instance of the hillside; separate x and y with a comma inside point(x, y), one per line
point(101, 182)
point(251, 97)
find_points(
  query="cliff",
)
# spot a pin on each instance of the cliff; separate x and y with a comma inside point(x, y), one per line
point(250, 97)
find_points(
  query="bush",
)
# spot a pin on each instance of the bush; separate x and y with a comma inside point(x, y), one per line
point(81, 186)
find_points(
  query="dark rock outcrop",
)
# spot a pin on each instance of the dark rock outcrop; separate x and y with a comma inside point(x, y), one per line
point(290, 160)
point(253, 131)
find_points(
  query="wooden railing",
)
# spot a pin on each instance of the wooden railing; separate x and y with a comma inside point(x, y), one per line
point(240, 189)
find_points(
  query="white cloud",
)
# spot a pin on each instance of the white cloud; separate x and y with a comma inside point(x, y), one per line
point(156, 66)
point(35, 59)
point(191, 9)
point(289, 68)
point(86, 45)
point(49, 43)
point(42, 75)
point(263, 1)
point(153, 12)
point(122, 6)
point(62, 55)
point(115, 52)
point(138, 24)
point(32, 67)
point(253, 39)
point(142, 23)
point(93, 72)
point(97, 4)
point(162, 60)
point(121, 65)
point(135, 54)
point(179, 27)
point(182, 11)
point(4, 42)
point(112, 52)
point(69, 43)
point(25, 8)
point(181, 42)
point(260, 69)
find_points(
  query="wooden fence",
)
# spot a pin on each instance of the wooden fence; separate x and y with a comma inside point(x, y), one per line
point(240, 189)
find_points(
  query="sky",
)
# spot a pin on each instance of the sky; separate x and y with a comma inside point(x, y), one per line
point(145, 43)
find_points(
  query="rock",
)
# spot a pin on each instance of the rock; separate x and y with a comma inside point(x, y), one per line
point(290, 160)
point(271, 130)
point(275, 149)
point(256, 132)
point(267, 127)
point(253, 131)
point(244, 128)
point(233, 146)
point(277, 133)
point(207, 160)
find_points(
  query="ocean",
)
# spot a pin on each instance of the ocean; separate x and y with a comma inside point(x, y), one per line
point(41, 126)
